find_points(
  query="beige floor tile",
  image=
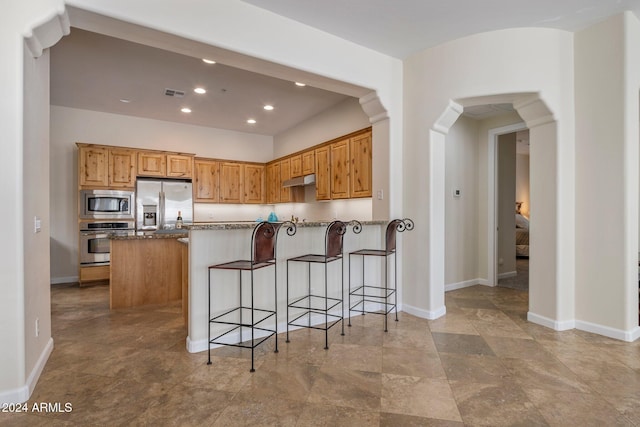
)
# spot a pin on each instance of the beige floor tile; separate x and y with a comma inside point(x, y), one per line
point(422, 397)
point(482, 363)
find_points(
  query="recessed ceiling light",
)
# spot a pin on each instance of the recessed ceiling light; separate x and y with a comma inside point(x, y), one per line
point(125, 100)
point(200, 90)
point(208, 61)
point(300, 84)
point(268, 107)
point(251, 121)
point(185, 110)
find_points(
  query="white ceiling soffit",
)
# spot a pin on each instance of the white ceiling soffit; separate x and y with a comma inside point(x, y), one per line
point(481, 112)
point(95, 72)
point(401, 27)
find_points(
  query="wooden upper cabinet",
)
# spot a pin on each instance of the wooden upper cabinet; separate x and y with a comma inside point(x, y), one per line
point(296, 166)
point(340, 160)
point(254, 185)
point(93, 165)
point(179, 166)
point(308, 162)
point(231, 182)
point(285, 174)
point(207, 181)
point(273, 182)
point(323, 178)
point(361, 169)
point(152, 163)
point(122, 168)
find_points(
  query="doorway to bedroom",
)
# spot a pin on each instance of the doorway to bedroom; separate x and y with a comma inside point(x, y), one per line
point(512, 210)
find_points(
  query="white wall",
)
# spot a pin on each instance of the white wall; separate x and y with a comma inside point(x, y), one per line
point(607, 173)
point(69, 125)
point(38, 342)
point(461, 226)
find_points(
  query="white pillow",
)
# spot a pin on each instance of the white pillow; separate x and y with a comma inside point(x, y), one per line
point(521, 222)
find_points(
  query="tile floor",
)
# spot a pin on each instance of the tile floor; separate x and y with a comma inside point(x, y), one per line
point(481, 364)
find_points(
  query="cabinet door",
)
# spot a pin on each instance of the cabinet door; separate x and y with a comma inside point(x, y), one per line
point(360, 172)
point(152, 164)
point(323, 179)
point(296, 166)
point(285, 174)
point(207, 185)
point(179, 166)
point(94, 167)
point(122, 168)
point(231, 182)
point(308, 162)
point(340, 169)
point(273, 182)
point(254, 184)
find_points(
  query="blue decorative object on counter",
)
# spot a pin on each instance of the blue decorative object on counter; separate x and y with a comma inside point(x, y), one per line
point(272, 217)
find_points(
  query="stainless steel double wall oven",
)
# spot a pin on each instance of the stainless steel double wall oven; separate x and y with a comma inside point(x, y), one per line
point(104, 213)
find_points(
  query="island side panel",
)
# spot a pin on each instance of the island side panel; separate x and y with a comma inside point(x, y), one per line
point(145, 272)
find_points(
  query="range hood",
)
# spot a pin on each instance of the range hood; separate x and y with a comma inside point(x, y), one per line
point(300, 181)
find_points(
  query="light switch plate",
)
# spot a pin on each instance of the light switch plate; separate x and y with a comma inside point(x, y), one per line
point(37, 225)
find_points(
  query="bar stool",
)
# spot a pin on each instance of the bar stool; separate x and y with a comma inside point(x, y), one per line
point(314, 304)
point(263, 254)
point(379, 294)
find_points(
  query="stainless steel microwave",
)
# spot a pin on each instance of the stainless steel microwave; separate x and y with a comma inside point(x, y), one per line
point(106, 204)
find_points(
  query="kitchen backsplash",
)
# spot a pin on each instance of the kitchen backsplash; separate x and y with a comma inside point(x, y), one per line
point(341, 209)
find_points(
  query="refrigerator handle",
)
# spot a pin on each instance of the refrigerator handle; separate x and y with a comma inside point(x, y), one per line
point(161, 213)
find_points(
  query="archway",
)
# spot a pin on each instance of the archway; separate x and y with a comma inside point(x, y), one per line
point(551, 293)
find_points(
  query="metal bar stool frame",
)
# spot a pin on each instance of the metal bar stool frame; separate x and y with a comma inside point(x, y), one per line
point(333, 248)
point(263, 254)
point(367, 293)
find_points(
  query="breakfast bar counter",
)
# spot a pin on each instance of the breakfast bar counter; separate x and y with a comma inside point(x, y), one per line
point(214, 243)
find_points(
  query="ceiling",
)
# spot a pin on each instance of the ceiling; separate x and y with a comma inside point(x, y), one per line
point(95, 72)
point(401, 27)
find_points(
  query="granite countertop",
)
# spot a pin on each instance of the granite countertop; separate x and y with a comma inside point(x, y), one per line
point(243, 225)
point(164, 235)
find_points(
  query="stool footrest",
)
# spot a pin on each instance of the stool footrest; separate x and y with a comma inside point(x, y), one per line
point(226, 318)
point(218, 340)
point(315, 303)
point(361, 291)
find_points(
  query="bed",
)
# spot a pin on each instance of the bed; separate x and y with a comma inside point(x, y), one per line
point(522, 236)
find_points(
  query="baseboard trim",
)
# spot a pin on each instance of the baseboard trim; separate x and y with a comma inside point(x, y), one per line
point(507, 275)
point(60, 280)
point(618, 334)
point(465, 284)
point(425, 314)
point(550, 323)
point(22, 394)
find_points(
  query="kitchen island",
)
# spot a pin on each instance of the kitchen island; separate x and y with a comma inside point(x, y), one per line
point(146, 269)
point(213, 243)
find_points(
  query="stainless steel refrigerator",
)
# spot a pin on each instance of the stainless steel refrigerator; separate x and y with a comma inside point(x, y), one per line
point(158, 202)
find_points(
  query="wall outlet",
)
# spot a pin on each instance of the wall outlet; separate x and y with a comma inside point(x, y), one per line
point(37, 327)
point(37, 224)
point(457, 192)
point(380, 195)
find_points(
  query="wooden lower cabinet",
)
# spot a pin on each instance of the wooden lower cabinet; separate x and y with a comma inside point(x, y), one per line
point(87, 275)
point(145, 271)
